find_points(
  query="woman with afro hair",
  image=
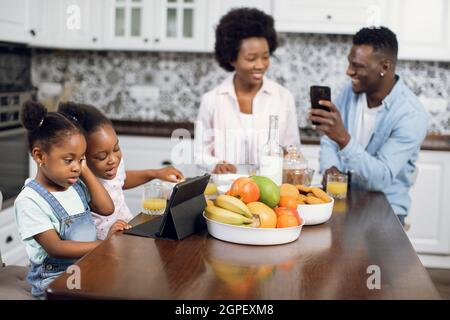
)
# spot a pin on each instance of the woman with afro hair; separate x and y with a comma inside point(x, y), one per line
point(233, 120)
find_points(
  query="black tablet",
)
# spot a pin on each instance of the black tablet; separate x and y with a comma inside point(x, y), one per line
point(183, 214)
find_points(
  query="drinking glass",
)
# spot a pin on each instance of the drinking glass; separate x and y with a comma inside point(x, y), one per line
point(337, 185)
point(154, 199)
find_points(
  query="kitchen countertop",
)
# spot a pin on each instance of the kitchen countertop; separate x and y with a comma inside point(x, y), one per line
point(334, 260)
point(308, 136)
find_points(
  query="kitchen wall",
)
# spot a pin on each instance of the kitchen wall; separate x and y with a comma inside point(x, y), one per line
point(168, 86)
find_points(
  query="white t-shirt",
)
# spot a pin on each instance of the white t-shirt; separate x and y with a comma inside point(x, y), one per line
point(121, 211)
point(34, 215)
point(366, 121)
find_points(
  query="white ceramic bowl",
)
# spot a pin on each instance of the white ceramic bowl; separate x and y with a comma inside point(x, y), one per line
point(226, 178)
point(254, 236)
point(223, 188)
point(316, 213)
point(236, 254)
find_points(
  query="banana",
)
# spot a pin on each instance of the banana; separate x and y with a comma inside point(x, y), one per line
point(225, 216)
point(233, 204)
point(256, 222)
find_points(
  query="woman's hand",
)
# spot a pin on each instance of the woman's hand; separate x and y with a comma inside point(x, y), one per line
point(119, 225)
point(225, 167)
point(169, 174)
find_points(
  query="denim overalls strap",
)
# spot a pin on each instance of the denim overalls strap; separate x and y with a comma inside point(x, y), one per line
point(78, 227)
point(58, 209)
point(79, 189)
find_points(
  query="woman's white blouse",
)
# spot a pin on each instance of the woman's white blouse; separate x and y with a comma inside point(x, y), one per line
point(220, 131)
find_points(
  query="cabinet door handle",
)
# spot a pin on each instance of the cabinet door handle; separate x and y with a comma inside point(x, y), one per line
point(157, 40)
point(9, 239)
point(166, 163)
point(329, 17)
point(94, 39)
point(145, 40)
point(32, 32)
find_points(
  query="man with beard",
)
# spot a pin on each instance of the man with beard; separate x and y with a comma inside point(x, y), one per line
point(376, 125)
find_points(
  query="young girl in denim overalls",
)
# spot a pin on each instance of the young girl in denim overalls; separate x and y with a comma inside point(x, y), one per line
point(53, 210)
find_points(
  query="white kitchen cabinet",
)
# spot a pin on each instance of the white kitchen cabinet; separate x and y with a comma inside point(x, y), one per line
point(78, 24)
point(218, 8)
point(129, 24)
point(422, 28)
point(180, 25)
point(429, 215)
point(11, 245)
point(14, 21)
point(71, 24)
point(42, 21)
point(175, 25)
point(327, 16)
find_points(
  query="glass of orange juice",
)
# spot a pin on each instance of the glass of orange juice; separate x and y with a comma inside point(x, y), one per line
point(154, 199)
point(337, 185)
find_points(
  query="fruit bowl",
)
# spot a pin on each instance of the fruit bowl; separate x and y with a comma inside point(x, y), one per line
point(253, 236)
point(316, 213)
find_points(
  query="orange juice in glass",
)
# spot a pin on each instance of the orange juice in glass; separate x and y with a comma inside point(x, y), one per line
point(337, 185)
point(154, 199)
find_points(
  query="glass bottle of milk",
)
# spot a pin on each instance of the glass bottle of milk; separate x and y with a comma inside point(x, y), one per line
point(271, 157)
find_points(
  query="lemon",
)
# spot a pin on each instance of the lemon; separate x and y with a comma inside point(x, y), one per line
point(211, 189)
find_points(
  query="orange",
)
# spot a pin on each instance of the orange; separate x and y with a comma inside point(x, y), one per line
point(288, 202)
point(286, 221)
point(289, 211)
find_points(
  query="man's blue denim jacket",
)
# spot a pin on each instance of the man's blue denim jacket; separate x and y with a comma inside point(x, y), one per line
point(388, 162)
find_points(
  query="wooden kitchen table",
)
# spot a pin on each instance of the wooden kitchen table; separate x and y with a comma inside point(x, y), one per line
point(340, 259)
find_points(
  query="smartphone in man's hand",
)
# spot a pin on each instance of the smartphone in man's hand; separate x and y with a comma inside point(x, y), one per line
point(319, 93)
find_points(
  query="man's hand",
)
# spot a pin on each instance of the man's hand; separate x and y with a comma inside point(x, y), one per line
point(332, 170)
point(330, 123)
point(224, 167)
point(169, 174)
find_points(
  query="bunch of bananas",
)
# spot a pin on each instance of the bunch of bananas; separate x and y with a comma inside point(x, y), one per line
point(230, 210)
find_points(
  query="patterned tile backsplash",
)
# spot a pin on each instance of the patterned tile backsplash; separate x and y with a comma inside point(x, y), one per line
point(160, 86)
